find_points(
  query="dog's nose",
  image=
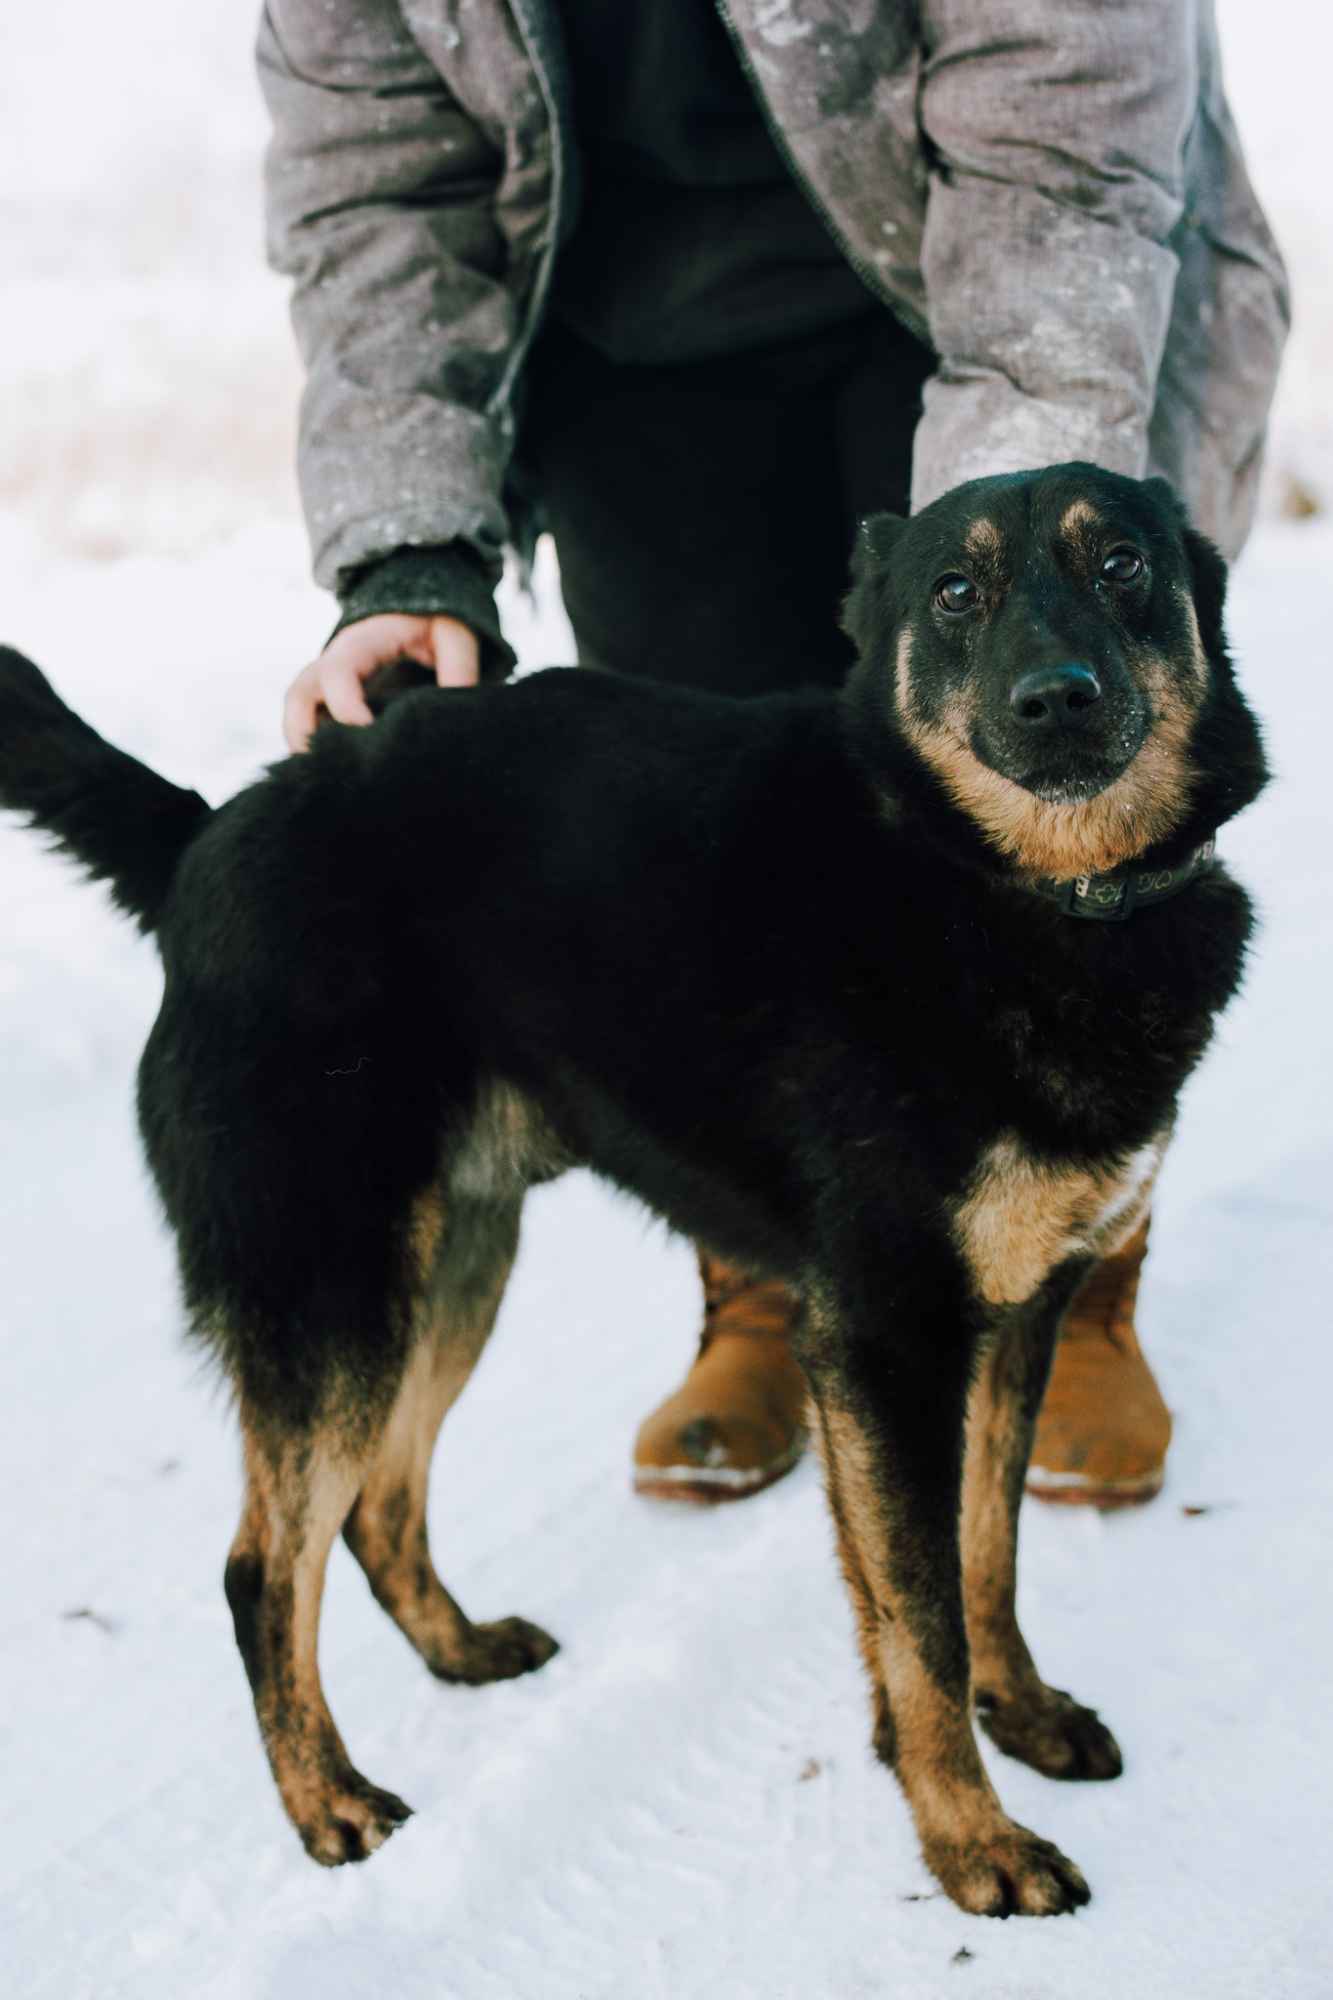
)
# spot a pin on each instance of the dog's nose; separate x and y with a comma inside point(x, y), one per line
point(1055, 697)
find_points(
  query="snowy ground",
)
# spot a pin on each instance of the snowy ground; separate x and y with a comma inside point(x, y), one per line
point(682, 1804)
point(638, 1818)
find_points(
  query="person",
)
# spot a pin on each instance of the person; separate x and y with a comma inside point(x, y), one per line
point(697, 287)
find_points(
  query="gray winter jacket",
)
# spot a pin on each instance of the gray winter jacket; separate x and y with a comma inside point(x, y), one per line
point(1049, 191)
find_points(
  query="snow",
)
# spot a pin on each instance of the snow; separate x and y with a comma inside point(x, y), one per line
point(683, 1802)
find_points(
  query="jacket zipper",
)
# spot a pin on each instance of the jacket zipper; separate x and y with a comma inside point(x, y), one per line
point(502, 397)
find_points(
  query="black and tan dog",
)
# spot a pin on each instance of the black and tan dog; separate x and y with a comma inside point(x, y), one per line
point(828, 981)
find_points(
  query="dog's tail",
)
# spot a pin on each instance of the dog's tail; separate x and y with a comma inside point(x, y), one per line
point(126, 825)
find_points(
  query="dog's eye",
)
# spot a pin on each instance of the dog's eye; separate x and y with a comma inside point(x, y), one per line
point(1123, 566)
point(956, 593)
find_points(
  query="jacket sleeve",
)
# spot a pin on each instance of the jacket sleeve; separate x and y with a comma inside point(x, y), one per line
point(453, 579)
point(1055, 133)
point(380, 207)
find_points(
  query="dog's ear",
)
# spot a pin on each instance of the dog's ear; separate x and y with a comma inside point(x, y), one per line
point(1208, 570)
point(1166, 496)
point(863, 611)
point(875, 538)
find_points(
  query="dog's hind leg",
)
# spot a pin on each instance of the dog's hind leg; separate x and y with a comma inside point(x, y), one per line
point(470, 1246)
point(1038, 1724)
point(300, 1483)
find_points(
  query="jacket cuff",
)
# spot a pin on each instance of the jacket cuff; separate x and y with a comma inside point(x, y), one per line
point(450, 581)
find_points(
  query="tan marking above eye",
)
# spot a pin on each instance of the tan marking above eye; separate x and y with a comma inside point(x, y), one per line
point(1079, 515)
point(983, 538)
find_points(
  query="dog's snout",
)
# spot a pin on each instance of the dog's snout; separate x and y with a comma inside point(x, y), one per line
point(1053, 698)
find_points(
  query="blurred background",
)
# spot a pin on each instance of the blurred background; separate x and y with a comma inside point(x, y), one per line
point(682, 1805)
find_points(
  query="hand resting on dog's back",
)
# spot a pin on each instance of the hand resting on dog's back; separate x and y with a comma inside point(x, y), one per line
point(333, 685)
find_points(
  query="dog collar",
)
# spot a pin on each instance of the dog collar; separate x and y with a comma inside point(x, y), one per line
point(1109, 899)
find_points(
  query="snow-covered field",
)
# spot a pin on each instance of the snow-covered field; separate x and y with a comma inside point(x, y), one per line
point(682, 1804)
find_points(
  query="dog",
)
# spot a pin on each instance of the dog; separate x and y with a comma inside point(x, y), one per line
point(888, 993)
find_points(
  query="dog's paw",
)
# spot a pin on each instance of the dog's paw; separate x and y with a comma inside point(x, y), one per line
point(1011, 1872)
point(350, 1820)
point(498, 1652)
point(1048, 1729)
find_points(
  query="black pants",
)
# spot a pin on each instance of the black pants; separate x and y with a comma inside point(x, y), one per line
point(704, 514)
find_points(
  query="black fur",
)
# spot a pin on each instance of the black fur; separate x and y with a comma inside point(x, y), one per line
point(124, 823)
point(747, 959)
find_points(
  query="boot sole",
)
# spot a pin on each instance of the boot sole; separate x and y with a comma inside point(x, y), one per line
point(1071, 1489)
point(713, 1485)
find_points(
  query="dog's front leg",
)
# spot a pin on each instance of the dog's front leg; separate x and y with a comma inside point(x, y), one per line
point(1039, 1724)
point(891, 1400)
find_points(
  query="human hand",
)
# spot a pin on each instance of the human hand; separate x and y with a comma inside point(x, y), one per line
point(335, 681)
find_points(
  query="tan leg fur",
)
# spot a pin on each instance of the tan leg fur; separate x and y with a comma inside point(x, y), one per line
point(386, 1529)
point(1040, 1725)
point(297, 1496)
point(985, 1861)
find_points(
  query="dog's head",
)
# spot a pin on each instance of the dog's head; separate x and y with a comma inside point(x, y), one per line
point(1048, 647)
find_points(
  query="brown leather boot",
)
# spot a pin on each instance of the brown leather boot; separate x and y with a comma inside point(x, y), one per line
point(737, 1421)
point(1103, 1430)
